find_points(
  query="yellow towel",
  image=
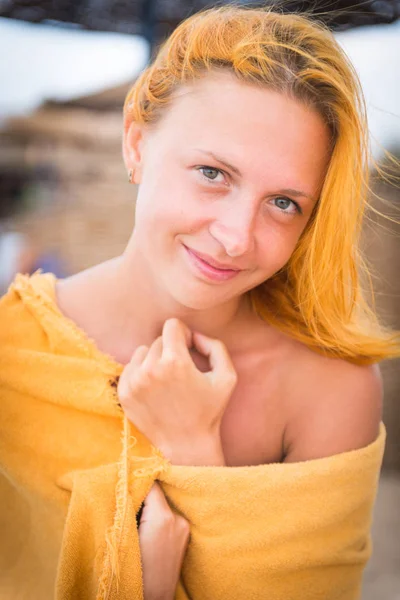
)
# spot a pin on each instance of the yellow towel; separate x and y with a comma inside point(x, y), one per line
point(73, 474)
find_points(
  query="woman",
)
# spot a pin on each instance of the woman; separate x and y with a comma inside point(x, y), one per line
point(235, 324)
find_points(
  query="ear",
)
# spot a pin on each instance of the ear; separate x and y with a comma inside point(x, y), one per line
point(132, 149)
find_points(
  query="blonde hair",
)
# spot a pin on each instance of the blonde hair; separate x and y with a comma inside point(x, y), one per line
point(316, 297)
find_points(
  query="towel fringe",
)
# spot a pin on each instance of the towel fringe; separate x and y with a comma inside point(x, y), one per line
point(150, 466)
point(153, 466)
point(111, 567)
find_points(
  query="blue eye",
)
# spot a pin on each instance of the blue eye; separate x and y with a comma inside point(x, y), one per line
point(207, 173)
point(284, 203)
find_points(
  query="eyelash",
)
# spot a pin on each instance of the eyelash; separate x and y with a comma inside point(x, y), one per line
point(210, 181)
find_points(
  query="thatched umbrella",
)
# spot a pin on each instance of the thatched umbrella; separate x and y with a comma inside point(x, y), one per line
point(155, 19)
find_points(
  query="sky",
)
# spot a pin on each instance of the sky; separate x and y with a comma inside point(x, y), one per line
point(375, 53)
point(41, 62)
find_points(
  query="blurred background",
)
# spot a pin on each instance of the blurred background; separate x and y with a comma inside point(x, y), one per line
point(65, 202)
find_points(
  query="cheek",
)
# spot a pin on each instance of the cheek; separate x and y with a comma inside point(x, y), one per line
point(178, 212)
point(276, 247)
point(166, 213)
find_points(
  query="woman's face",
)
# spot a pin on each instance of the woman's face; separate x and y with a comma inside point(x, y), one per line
point(232, 171)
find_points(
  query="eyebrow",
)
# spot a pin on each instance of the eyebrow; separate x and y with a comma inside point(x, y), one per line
point(290, 191)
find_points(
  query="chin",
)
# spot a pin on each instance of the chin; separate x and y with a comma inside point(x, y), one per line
point(197, 301)
point(199, 296)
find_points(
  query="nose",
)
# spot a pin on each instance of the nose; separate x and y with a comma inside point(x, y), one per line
point(235, 231)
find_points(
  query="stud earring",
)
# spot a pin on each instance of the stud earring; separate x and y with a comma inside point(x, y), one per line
point(130, 175)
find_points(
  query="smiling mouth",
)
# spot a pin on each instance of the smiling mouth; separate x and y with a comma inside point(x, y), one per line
point(207, 270)
point(212, 263)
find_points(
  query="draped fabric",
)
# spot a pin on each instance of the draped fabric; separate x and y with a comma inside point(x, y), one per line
point(74, 472)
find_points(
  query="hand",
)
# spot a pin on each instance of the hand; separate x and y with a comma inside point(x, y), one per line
point(163, 539)
point(175, 405)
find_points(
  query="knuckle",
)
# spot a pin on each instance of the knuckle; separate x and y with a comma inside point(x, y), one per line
point(179, 364)
point(167, 519)
point(157, 373)
point(139, 381)
point(128, 372)
point(182, 525)
point(232, 376)
point(220, 347)
point(123, 397)
point(228, 380)
point(133, 379)
point(232, 382)
point(168, 360)
point(173, 361)
point(124, 390)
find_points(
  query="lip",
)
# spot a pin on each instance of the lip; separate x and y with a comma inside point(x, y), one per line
point(210, 261)
point(208, 270)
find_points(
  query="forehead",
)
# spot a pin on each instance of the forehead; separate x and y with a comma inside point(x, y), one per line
point(221, 98)
point(247, 123)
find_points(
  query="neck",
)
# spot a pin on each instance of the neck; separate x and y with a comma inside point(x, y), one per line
point(137, 308)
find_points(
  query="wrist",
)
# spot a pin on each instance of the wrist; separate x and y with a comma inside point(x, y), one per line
point(196, 453)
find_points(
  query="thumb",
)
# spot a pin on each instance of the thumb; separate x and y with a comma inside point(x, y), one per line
point(187, 333)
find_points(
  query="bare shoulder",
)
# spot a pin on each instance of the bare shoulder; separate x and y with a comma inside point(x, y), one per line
point(333, 406)
point(80, 294)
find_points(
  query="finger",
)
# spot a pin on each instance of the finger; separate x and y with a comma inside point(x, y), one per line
point(139, 355)
point(177, 339)
point(217, 354)
point(153, 355)
point(155, 504)
point(124, 388)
